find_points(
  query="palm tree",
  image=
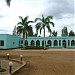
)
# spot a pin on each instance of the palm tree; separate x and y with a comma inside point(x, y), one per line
point(30, 32)
point(42, 23)
point(54, 33)
point(23, 26)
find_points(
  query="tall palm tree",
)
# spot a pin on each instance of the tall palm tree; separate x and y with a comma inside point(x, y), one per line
point(30, 32)
point(42, 23)
point(23, 26)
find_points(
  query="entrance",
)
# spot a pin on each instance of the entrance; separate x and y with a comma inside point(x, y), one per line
point(64, 44)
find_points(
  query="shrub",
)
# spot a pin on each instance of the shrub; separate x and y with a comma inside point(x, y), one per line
point(34, 47)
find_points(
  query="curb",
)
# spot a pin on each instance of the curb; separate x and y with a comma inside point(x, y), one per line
point(18, 68)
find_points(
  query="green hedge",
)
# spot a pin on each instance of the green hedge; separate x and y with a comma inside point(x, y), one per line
point(34, 47)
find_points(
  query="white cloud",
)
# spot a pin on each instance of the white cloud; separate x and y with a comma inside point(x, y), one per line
point(62, 11)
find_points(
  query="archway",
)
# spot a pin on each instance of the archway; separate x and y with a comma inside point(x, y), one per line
point(43, 43)
point(55, 43)
point(73, 43)
point(64, 43)
point(26, 43)
point(37, 43)
point(49, 42)
point(32, 43)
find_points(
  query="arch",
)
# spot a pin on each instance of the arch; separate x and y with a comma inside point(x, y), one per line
point(55, 43)
point(32, 43)
point(43, 43)
point(26, 43)
point(49, 42)
point(64, 43)
point(37, 43)
point(73, 43)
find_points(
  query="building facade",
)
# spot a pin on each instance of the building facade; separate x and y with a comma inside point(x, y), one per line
point(10, 41)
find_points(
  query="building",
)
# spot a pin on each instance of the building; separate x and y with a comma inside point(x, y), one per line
point(11, 41)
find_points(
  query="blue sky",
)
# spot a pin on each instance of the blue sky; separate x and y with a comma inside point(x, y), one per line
point(61, 10)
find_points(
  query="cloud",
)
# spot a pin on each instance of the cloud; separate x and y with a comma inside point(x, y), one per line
point(59, 8)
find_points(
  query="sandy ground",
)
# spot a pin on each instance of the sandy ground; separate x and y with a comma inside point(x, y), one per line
point(48, 62)
point(5, 65)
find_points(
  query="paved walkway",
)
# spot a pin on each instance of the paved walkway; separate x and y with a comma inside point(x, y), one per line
point(63, 49)
point(5, 65)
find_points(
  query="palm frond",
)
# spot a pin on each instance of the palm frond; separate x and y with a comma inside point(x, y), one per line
point(21, 18)
point(49, 29)
point(38, 25)
point(52, 24)
point(19, 23)
point(25, 19)
point(30, 22)
point(49, 17)
point(43, 19)
point(40, 30)
point(37, 19)
point(19, 29)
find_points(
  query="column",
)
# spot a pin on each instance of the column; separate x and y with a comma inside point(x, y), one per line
point(52, 43)
point(70, 43)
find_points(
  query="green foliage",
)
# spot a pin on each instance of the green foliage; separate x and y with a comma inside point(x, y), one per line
point(44, 22)
point(23, 27)
point(30, 31)
point(64, 31)
point(71, 33)
point(15, 31)
point(54, 33)
point(34, 47)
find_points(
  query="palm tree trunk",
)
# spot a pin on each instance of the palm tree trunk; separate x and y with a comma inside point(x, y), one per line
point(44, 38)
point(23, 39)
point(50, 33)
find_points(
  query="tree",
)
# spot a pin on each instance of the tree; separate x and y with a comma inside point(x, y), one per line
point(23, 27)
point(15, 31)
point(30, 31)
point(42, 23)
point(71, 33)
point(54, 33)
point(64, 32)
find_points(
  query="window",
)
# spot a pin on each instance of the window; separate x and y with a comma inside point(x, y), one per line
point(43, 43)
point(32, 43)
point(55, 43)
point(37, 43)
point(1, 42)
point(19, 42)
point(59, 42)
point(72, 43)
point(68, 42)
point(26, 43)
point(64, 43)
point(49, 42)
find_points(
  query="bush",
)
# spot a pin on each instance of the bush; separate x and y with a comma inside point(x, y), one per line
point(34, 47)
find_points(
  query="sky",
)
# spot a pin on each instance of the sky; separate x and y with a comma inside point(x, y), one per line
point(61, 10)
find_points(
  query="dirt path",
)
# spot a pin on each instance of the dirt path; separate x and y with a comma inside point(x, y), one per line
point(46, 62)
